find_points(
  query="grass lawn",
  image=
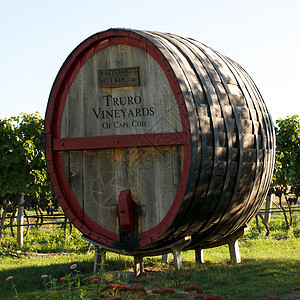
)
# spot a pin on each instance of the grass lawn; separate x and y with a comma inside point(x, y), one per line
point(270, 266)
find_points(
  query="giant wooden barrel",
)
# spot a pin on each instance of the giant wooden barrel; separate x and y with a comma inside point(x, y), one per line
point(151, 137)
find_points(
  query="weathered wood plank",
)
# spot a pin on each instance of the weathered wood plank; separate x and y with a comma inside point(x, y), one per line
point(94, 111)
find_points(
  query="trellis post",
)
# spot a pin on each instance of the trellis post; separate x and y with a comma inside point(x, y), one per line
point(20, 221)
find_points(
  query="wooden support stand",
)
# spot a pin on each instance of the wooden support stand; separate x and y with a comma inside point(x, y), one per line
point(177, 248)
point(99, 260)
point(177, 257)
point(199, 256)
point(234, 251)
point(138, 265)
point(165, 258)
point(233, 245)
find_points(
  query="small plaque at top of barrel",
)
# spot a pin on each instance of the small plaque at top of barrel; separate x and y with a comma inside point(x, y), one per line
point(152, 138)
point(120, 77)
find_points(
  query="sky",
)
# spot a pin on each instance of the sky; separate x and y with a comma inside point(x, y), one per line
point(263, 36)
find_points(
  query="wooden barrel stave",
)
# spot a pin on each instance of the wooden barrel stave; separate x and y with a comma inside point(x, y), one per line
point(250, 124)
point(257, 130)
point(243, 221)
point(211, 126)
point(221, 92)
point(210, 87)
point(236, 100)
point(187, 92)
point(265, 155)
point(247, 129)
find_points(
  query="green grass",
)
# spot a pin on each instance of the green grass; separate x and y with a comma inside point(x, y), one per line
point(27, 271)
point(270, 266)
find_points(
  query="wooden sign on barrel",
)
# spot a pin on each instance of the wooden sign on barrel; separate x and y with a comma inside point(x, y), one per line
point(154, 140)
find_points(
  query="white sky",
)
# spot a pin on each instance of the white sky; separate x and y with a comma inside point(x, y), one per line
point(263, 36)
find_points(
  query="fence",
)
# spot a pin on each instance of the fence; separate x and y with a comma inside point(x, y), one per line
point(20, 221)
point(264, 213)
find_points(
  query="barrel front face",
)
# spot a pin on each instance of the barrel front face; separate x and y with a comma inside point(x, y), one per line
point(117, 126)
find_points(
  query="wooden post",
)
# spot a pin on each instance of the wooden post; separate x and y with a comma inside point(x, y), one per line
point(177, 248)
point(199, 256)
point(138, 265)
point(268, 207)
point(99, 259)
point(234, 251)
point(177, 257)
point(165, 258)
point(20, 221)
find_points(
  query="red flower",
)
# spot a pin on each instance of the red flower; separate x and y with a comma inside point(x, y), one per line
point(95, 280)
point(110, 286)
point(159, 291)
point(270, 298)
point(169, 291)
point(124, 288)
point(297, 289)
point(212, 297)
point(62, 278)
point(139, 290)
point(193, 288)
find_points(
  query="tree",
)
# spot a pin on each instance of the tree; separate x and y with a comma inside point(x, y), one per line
point(286, 179)
point(22, 164)
point(287, 167)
